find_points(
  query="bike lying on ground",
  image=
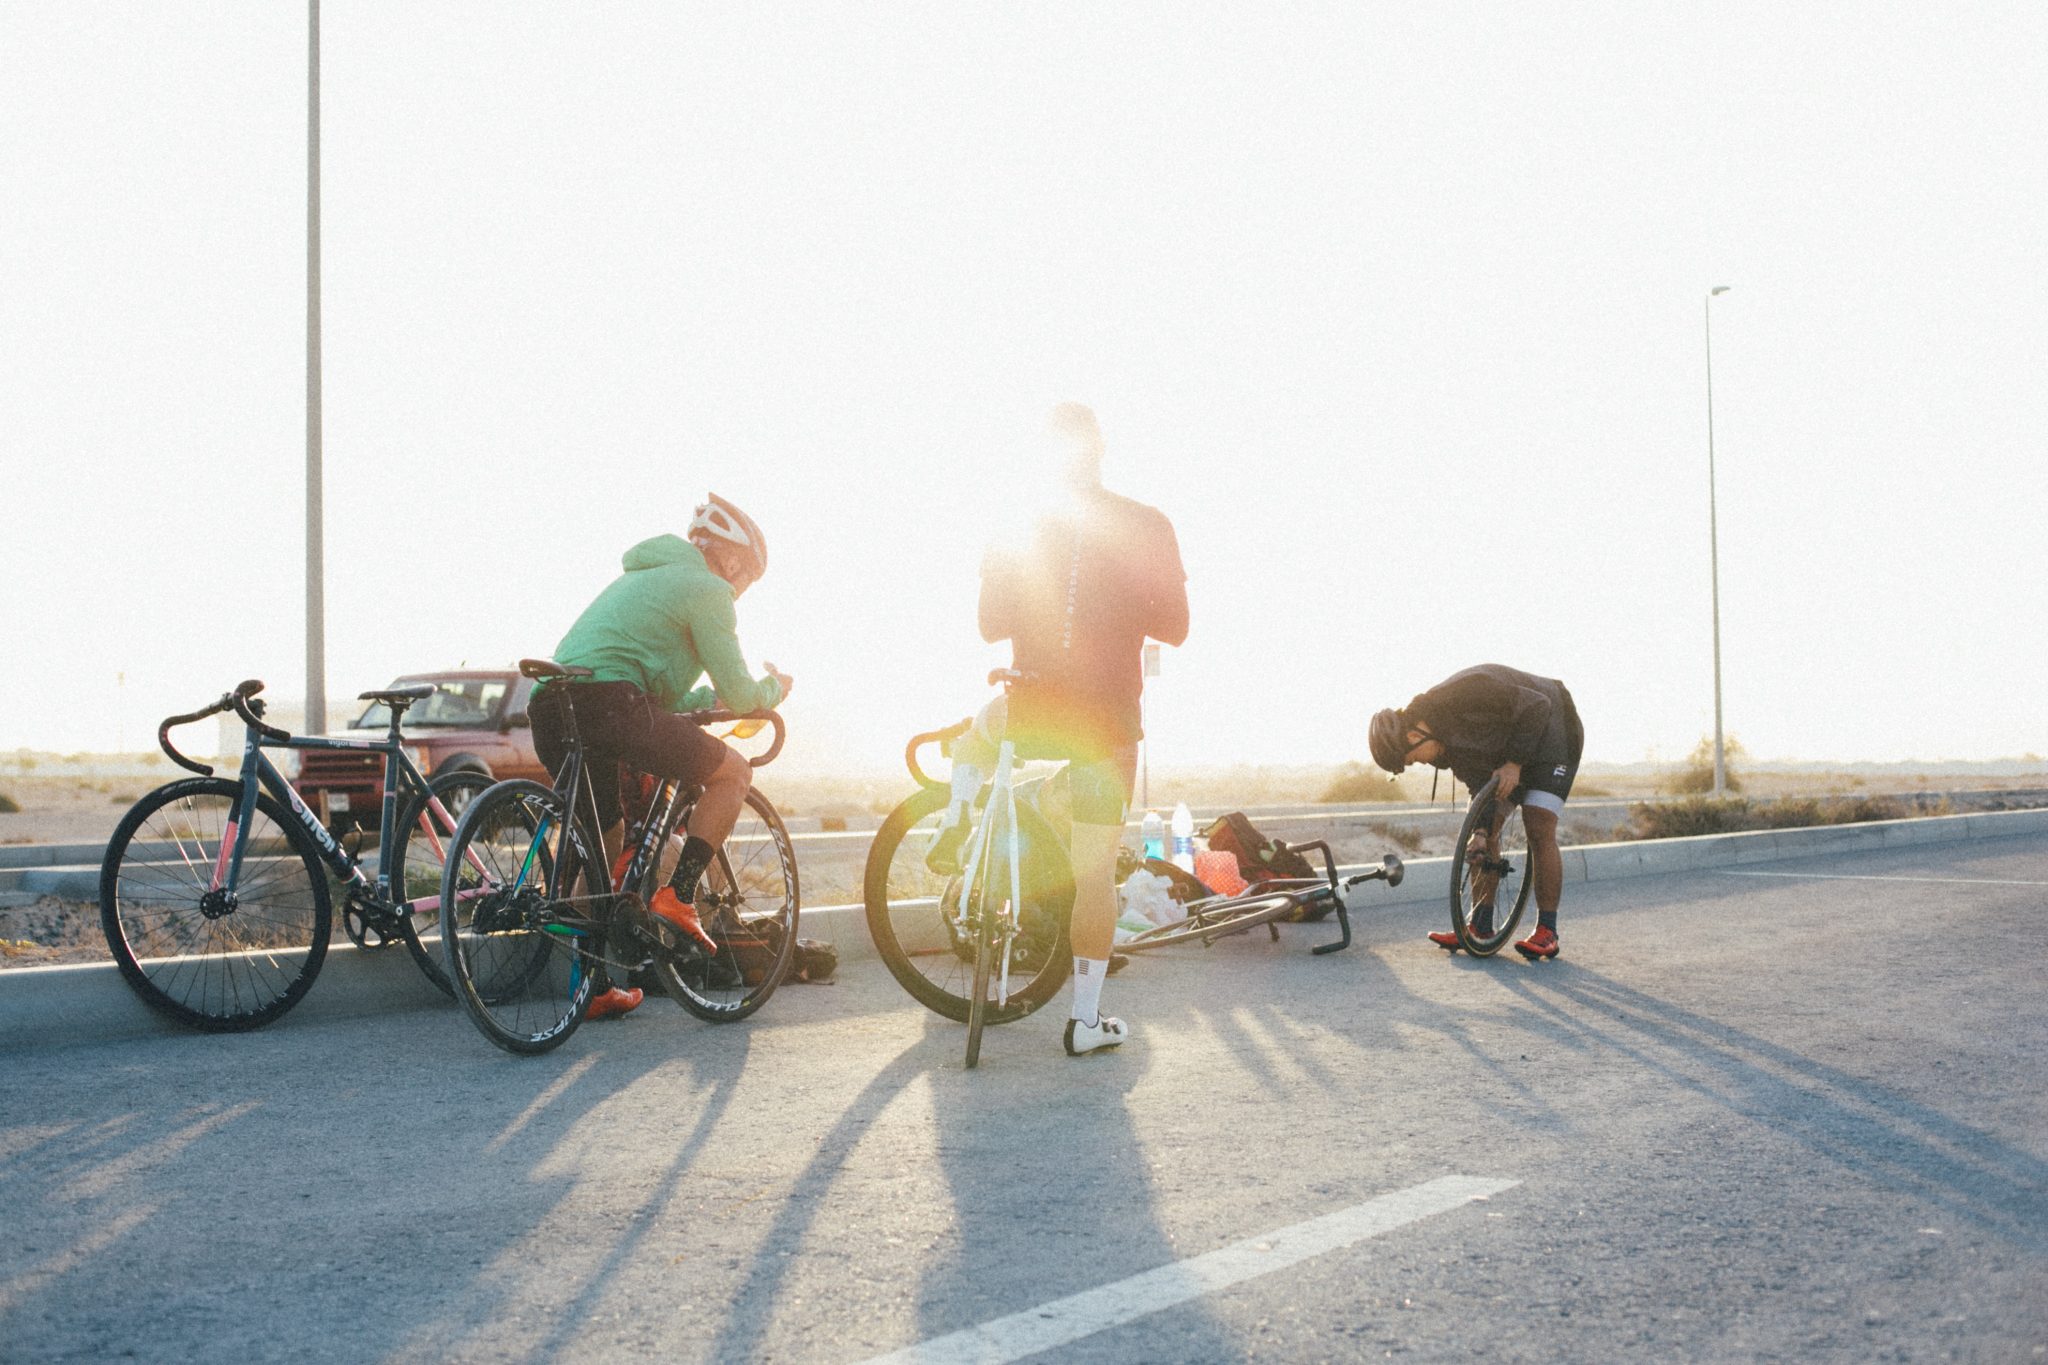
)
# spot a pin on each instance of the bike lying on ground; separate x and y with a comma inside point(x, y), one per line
point(1490, 873)
point(1271, 903)
point(532, 918)
point(213, 896)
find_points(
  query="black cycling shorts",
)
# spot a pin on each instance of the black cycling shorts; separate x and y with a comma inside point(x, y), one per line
point(1565, 736)
point(620, 724)
point(1099, 783)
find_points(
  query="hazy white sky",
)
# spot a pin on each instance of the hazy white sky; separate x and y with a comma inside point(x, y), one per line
point(1394, 309)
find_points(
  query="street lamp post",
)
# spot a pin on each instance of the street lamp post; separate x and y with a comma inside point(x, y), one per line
point(316, 604)
point(1714, 550)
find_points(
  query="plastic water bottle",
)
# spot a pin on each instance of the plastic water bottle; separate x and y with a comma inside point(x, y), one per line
point(1152, 837)
point(1183, 838)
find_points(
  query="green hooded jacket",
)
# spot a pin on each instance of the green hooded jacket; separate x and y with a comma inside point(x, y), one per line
point(663, 624)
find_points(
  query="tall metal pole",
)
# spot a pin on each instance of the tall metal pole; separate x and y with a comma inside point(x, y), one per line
point(1714, 550)
point(316, 605)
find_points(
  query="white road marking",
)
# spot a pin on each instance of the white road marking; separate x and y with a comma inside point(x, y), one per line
point(1867, 877)
point(1094, 1310)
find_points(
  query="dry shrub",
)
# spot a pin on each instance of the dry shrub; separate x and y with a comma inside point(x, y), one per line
point(1697, 776)
point(1704, 815)
point(1356, 782)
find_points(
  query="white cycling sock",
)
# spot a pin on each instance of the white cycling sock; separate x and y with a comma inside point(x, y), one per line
point(966, 783)
point(1088, 975)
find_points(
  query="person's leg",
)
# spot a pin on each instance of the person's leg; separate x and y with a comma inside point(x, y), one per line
point(669, 746)
point(712, 820)
point(1099, 790)
point(1539, 817)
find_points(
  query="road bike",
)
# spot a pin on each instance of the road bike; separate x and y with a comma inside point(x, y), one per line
point(532, 919)
point(214, 892)
point(1490, 873)
point(1271, 903)
point(986, 944)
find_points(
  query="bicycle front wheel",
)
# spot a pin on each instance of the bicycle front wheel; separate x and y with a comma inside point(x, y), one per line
point(1490, 874)
point(522, 930)
point(419, 854)
point(922, 931)
point(748, 903)
point(216, 958)
point(1216, 919)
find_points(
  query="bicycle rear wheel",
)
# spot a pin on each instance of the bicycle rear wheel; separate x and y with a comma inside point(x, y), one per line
point(1490, 878)
point(748, 903)
point(419, 851)
point(1216, 919)
point(219, 960)
point(921, 929)
point(521, 932)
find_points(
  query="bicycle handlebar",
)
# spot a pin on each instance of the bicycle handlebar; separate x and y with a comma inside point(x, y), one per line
point(719, 715)
point(945, 736)
point(1389, 871)
point(237, 701)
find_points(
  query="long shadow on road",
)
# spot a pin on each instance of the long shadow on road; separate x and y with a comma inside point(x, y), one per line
point(1866, 1128)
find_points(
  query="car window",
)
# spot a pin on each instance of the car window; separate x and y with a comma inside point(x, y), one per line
point(456, 701)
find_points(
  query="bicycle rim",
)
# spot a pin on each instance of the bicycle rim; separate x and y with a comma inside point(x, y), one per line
point(921, 929)
point(419, 857)
point(222, 962)
point(748, 902)
point(1206, 923)
point(1489, 889)
point(519, 931)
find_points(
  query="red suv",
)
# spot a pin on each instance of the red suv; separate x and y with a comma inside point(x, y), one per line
point(476, 720)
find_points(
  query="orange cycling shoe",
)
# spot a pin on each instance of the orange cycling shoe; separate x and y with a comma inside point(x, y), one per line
point(614, 1004)
point(1542, 943)
point(1443, 938)
point(667, 905)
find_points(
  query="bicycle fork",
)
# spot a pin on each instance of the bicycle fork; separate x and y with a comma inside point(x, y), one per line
point(1002, 814)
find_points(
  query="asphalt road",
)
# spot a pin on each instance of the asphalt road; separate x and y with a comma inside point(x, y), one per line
point(1795, 1112)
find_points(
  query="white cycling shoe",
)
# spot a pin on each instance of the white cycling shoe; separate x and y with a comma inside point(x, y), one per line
point(1106, 1031)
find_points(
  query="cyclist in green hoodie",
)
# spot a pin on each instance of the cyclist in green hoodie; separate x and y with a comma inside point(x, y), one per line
point(650, 636)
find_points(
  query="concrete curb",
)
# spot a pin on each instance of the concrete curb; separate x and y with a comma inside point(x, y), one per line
point(45, 1007)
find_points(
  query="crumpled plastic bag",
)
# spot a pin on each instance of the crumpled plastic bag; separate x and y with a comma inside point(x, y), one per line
point(1144, 902)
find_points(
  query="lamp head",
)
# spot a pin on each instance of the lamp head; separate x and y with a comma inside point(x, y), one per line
point(1717, 289)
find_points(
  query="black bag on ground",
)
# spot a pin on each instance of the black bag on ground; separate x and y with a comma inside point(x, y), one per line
point(1259, 858)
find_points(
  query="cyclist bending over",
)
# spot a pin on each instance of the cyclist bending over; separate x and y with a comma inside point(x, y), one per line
point(1499, 722)
point(659, 627)
point(1095, 577)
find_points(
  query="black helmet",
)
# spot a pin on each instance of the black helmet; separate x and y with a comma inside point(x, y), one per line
point(1388, 740)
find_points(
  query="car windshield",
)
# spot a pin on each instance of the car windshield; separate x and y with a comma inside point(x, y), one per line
point(468, 702)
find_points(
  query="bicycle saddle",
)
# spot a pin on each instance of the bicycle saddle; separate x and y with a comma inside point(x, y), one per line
point(399, 696)
point(540, 670)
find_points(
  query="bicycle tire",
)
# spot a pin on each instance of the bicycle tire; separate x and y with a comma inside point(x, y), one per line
point(1471, 896)
point(521, 953)
point(751, 913)
point(913, 915)
point(221, 970)
point(984, 962)
point(1207, 923)
point(419, 862)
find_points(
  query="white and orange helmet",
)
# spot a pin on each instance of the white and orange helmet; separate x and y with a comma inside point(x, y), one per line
point(715, 516)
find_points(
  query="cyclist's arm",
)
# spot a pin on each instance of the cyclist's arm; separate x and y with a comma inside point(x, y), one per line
point(714, 630)
point(1166, 615)
point(997, 611)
